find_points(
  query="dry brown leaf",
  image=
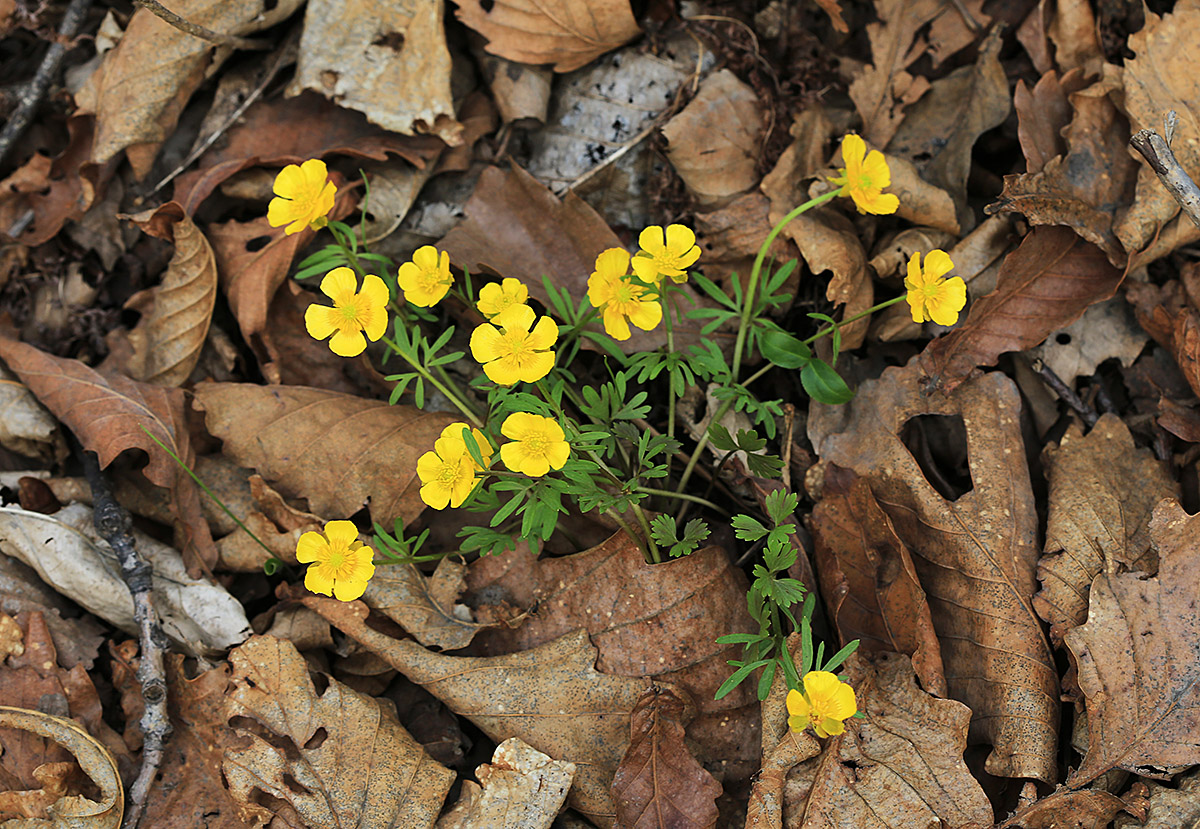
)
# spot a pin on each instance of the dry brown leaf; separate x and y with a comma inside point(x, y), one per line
point(1162, 76)
point(1073, 31)
point(659, 783)
point(1045, 284)
point(901, 766)
point(521, 91)
point(337, 451)
point(25, 425)
point(975, 555)
point(175, 314)
point(1171, 808)
point(829, 242)
point(70, 186)
point(522, 789)
point(389, 62)
point(1103, 490)
point(566, 33)
point(1086, 185)
point(714, 143)
point(107, 412)
point(550, 696)
point(76, 637)
point(868, 579)
point(921, 203)
point(424, 607)
point(93, 758)
point(274, 522)
point(344, 759)
point(141, 88)
point(765, 809)
point(951, 32)
point(1165, 314)
point(730, 237)
point(1067, 809)
point(1043, 112)
point(1106, 331)
point(884, 89)
point(1139, 659)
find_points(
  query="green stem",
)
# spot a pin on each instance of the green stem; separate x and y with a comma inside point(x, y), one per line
point(437, 384)
point(683, 496)
point(655, 557)
point(666, 309)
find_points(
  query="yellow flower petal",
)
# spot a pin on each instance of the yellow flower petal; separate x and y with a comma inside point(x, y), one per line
point(558, 453)
point(348, 590)
point(374, 322)
point(485, 343)
point(318, 579)
point(517, 425)
point(876, 169)
point(375, 290)
point(937, 264)
point(436, 494)
point(426, 258)
point(290, 183)
point(348, 343)
point(646, 269)
point(537, 366)
point(519, 317)
point(853, 150)
point(944, 310)
point(829, 727)
point(544, 335)
point(652, 240)
point(646, 315)
point(613, 263)
point(340, 285)
point(819, 684)
point(341, 533)
point(428, 466)
point(680, 239)
point(503, 372)
point(615, 324)
point(319, 321)
point(311, 547)
point(797, 705)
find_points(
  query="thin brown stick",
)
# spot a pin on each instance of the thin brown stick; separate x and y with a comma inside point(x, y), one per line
point(1064, 392)
point(195, 30)
point(1157, 152)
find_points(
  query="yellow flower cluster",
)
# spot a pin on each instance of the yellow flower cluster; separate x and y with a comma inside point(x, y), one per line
point(448, 472)
point(824, 705)
point(341, 565)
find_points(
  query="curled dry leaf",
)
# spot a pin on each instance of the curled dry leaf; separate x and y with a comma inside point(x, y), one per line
point(274, 522)
point(901, 766)
point(424, 607)
point(59, 191)
point(522, 789)
point(93, 758)
point(25, 425)
point(110, 413)
point(659, 783)
point(1103, 490)
point(715, 142)
point(1045, 284)
point(566, 33)
point(67, 552)
point(344, 759)
point(765, 809)
point(176, 314)
point(1139, 659)
point(338, 451)
point(1068, 809)
point(1043, 112)
point(389, 62)
point(76, 637)
point(550, 696)
point(1168, 317)
point(975, 555)
point(868, 578)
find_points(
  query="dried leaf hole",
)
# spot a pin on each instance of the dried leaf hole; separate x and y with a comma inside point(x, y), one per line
point(938, 443)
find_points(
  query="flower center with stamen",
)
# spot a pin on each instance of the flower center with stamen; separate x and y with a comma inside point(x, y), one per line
point(448, 474)
point(536, 444)
point(336, 560)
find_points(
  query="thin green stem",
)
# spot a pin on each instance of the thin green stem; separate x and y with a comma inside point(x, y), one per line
point(437, 384)
point(683, 496)
point(829, 329)
point(670, 329)
point(655, 557)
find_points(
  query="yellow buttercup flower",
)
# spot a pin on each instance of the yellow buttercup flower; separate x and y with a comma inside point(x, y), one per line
point(427, 278)
point(303, 197)
point(825, 703)
point(538, 444)
point(448, 472)
point(665, 253)
point(494, 298)
point(353, 314)
point(623, 300)
point(512, 348)
point(864, 177)
point(930, 296)
point(341, 565)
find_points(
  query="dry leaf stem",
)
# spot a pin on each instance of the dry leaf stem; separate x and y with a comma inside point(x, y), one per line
point(195, 30)
point(114, 524)
point(1157, 152)
point(32, 93)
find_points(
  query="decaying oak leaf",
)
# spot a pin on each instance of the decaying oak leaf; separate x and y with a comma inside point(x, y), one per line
point(975, 555)
point(347, 761)
point(65, 190)
point(1045, 284)
point(107, 412)
point(424, 607)
point(1068, 809)
point(521, 787)
point(25, 425)
point(901, 766)
point(389, 62)
point(1168, 317)
point(274, 522)
point(76, 636)
point(550, 696)
point(1103, 490)
point(67, 552)
point(868, 579)
point(1162, 76)
point(1107, 330)
point(659, 783)
point(1139, 659)
point(1171, 808)
point(93, 758)
point(714, 143)
point(1043, 112)
point(1084, 187)
point(338, 451)
point(884, 88)
point(175, 314)
point(765, 809)
point(141, 88)
point(566, 33)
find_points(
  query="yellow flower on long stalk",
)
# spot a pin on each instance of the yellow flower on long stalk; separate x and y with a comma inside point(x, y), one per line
point(538, 444)
point(354, 313)
point(512, 348)
point(448, 472)
point(825, 703)
point(930, 296)
point(668, 252)
point(623, 301)
point(427, 278)
point(303, 197)
point(864, 177)
point(495, 298)
point(339, 564)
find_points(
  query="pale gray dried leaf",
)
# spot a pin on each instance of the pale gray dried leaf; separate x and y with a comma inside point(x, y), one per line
point(424, 607)
point(1106, 330)
point(522, 789)
point(26, 427)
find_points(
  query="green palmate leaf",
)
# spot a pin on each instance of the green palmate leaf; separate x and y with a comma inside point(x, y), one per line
point(784, 350)
point(764, 466)
point(749, 441)
point(823, 384)
point(747, 528)
point(720, 438)
point(781, 505)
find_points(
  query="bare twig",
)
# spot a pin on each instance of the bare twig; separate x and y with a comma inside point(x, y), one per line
point(31, 95)
point(114, 524)
point(1064, 392)
point(1157, 152)
point(195, 30)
